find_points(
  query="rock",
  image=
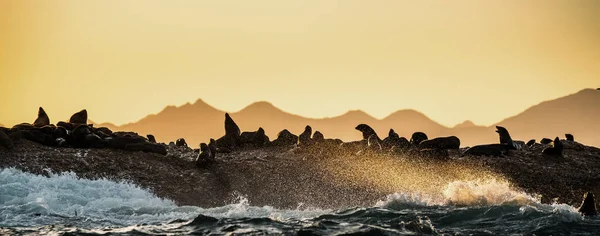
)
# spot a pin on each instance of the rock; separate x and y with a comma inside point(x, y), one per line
point(146, 147)
point(231, 128)
point(435, 153)
point(451, 142)
point(6, 141)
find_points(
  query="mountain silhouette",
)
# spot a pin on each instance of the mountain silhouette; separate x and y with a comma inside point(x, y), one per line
point(198, 122)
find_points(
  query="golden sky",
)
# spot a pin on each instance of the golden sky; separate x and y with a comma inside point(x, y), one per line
point(451, 60)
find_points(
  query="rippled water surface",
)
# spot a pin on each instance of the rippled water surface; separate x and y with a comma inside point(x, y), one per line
point(63, 204)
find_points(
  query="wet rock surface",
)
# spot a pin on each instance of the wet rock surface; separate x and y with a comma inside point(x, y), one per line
point(285, 176)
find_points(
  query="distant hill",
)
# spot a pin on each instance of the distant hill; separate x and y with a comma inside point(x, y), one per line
point(198, 122)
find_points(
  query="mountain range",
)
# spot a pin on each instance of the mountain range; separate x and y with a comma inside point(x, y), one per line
point(198, 122)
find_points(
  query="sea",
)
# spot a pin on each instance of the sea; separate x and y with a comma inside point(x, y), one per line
point(63, 204)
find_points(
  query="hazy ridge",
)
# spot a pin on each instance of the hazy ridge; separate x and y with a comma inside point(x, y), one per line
point(576, 114)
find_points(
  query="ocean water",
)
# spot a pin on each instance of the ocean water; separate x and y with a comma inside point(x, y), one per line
point(66, 205)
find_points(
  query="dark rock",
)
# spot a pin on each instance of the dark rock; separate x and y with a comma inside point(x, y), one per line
point(417, 138)
point(80, 117)
point(285, 138)
point(42, 119)
point(451, 142)
point(146, 147)
point(435, 153)
point(588, 205)
point(6, 141)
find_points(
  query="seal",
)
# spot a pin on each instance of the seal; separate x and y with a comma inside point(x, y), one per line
point(257, 138)
point(556, 149)
point(373, 143)
point(231, 128)
point(151, 138)
point(451, 142)
point(318, 137)
point(570, 137)
point(367, 131)
point(79, 117)
point(42, 119)
point(530, 143)
point(212, 145)
point(181, 142)
point(588, 205)
point(285, 138)
point(417, 138)
point(204, 157)
point(304, 138)
point(488, 150)
point(546, 141)
point(505, 137)
point(393, 140)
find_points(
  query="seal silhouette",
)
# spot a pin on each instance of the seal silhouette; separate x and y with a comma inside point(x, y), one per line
point(79, 117)
point(42, 119)
point(304, 138)
point(588, 205)
point(367, 131)
point(417, 138)
point(555, 150)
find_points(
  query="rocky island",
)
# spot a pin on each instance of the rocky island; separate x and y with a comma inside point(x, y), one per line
point(291, 170)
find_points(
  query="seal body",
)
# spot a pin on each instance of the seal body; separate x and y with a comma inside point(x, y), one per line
point(546, 141)
point(367, 131)
point(451, 142)
point(588, 205)
point(417, 138)
point(556, 149)
point(304, 138)
point(318, 137)
point(79, 117)
point(570, 137)
point(42, 119)
point(488, 150)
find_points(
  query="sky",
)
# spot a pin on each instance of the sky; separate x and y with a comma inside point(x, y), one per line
point(452, 60)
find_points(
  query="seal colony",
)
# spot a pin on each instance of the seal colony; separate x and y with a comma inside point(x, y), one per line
point(76, 133)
